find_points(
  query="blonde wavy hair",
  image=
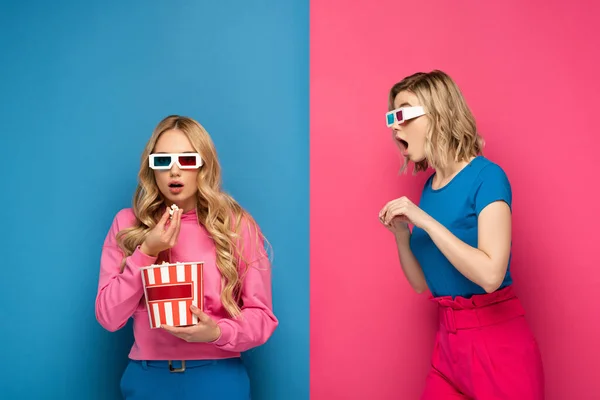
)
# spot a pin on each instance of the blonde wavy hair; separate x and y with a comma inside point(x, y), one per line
point(218, 212)
point(452, 131)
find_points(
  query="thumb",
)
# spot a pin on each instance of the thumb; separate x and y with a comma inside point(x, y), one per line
point(202, 317)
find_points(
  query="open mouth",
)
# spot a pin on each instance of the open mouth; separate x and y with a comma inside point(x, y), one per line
point(402, 143)
point(175, 185)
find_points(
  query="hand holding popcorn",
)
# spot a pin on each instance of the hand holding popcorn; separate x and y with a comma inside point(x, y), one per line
point(164, 235)
point(205, 331)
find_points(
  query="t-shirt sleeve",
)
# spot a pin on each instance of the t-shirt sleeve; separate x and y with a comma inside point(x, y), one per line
point(493, 186)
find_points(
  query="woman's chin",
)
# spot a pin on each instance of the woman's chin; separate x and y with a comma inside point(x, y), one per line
point(415, 159)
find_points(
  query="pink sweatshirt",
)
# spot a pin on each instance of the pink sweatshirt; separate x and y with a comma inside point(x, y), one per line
point(120, 295)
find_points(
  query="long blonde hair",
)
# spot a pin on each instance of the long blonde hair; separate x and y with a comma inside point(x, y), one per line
point(452, 129)
point(218, 212)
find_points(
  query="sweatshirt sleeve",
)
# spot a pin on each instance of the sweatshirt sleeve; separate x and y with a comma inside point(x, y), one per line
point(257, 322)
point(119, 293)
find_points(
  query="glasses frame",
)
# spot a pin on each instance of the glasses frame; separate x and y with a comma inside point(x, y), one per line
point(408, 113)
point(175, 160)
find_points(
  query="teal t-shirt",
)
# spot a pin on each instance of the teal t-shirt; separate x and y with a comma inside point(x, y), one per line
point(457, 206)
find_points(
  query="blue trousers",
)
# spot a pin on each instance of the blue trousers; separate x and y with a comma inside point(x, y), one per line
point(202, 379)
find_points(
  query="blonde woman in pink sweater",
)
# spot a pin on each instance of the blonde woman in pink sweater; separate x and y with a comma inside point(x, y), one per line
point(180, 166)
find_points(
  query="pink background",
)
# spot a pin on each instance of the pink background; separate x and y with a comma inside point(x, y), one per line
point(530, 74)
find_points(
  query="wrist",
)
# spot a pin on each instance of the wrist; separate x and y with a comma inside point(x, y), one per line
point(217, 334)
point(226, 332)
point(402, 236)
point(144, 249)
point(428, 224)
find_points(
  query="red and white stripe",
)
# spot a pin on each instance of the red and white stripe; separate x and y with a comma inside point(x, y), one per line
point(170, 290)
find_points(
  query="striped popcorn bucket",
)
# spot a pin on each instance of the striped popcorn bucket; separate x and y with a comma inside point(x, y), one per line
point(170, 290)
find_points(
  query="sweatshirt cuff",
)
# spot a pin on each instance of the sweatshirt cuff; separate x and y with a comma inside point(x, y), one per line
point(226, 333)
point(140, 259)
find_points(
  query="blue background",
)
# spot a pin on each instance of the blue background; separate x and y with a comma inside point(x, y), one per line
point(83, 84)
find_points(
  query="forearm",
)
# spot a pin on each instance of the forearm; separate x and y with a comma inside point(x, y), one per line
point(251, 329)
point(119, 294)
point(473, 263)
point(410, 266)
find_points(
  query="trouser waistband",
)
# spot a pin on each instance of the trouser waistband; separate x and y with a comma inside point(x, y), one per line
point(182, 365)
point(480, 310)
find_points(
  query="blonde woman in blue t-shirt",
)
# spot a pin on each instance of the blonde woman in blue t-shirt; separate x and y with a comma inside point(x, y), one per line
point(460, 247)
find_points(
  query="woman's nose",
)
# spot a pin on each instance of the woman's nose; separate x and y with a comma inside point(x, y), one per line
point(175, 170)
